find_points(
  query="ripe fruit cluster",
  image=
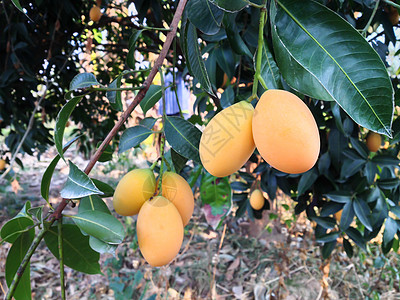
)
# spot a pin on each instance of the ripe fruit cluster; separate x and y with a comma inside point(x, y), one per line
point(161, 218)
point(281, 127)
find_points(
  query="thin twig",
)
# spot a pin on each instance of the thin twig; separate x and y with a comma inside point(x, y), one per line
point(370, 19)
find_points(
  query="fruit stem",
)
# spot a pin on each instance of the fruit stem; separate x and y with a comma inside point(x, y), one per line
point(364, 32)
point(162, 146)
point(392, 3)
point(174, 87)
point(154, 165)
point(167, 164)
point(61, 257)
point(257, 76)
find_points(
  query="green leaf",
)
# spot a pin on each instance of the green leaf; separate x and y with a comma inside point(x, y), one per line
point(101, 247)
point(48, 174)
point(14, 227)
point(205, 16)
point(307, 180)
point(17, 4)
point(385, 160)
point(356, 236)
point(339, 196)
point(78, 184)
point(388, 184)
point(351, 167)
point(326, 238)
point(83, 80)
point(195, 61)
point(390, 230)
point(395, 210)
point(216, 196)
point(178, 160)
point(269, 71)
point(230, 5)
point(24, 212)
point(132, 137)
point(315, 59)
point(362, 211)
point(148, 122)
point(93, 203)
point(360, 147)
point(106, 189)
point(77, 253)
point(234, 38)
point(107, 153)
point(61, 121)
point(325, 222)
point(101, 225)
point(152, 96)
point(14, 259)
point(227, 97)
point(115, 96)
point(183, 137)
point(348, 247)
point(347, 216)
point(328, 248)
point(130, 59)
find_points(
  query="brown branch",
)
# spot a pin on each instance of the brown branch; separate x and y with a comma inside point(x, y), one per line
point(139, 97)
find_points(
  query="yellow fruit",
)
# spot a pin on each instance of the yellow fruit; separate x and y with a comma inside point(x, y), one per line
point(2, 164)
point(176, 189)
point(227, 142)
point(257, 199)
point(159, 231)
point(374, 141)
point(285, 132)
point(338, 215)
point(133, 190)
point(95, 13)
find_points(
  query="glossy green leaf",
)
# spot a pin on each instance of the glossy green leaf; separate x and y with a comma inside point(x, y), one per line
point(395, 210)
point(24, 212)
point(37, 212)
point(230, 5)
point(178, 160)
point(325, 222)
point(370, 171)
point(130, 59)
point(132, 137)
point(330, 208)
point(101, 225)
point(83, 80)
point(148, 122)
point(183, 137)
point(227, 97)
point(17, 4)
point(216, 196)
point(348, 247)
point(77, 253)
point(234, 38)
point(115, 96)
point(205, 16)
point(93, 203)
point(61, 121)
point(339, 196)
point(326, 238)
point(195, 61)
point(105, 188)
point(226, 59)
point(360, 147)
point(101, 247)
point(107, 154)
point(14, 259)
point(307, 180)
point(385, 160)
point(78, 184)
point(269, 71)
point(14, 227)
point(347, 216)
point(314, 57)
point(351, 167)
point(389, 183)
point(152, 96)
point(356, 236)
point(328, 248)
point(48, 174)
point(390, 230)
point(363, 212)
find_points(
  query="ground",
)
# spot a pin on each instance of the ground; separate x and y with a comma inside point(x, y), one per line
point(243, 259)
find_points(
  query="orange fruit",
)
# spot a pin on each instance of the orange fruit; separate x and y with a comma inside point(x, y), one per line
point(338, 215)
point(227, 143)
point(133, 190)
point(257, 199)
point(159, 230)
point(374, 141)
point(2, 164)
point(176, 189)
point(95, 13)
point(285, 132)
